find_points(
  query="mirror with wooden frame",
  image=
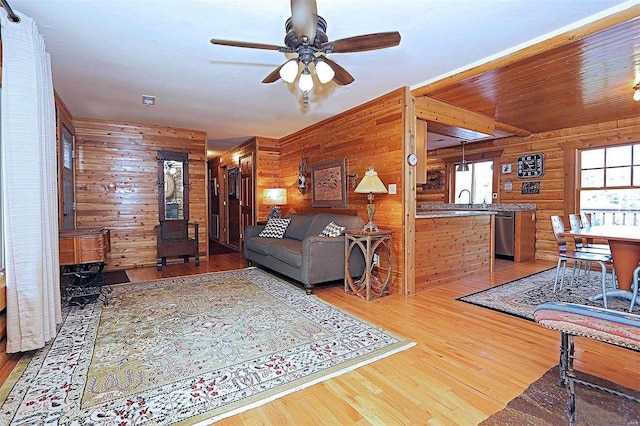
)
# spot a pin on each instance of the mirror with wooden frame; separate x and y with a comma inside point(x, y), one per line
point(173, 185)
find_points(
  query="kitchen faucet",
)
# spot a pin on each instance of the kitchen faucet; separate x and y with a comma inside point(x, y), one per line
point(460, 195)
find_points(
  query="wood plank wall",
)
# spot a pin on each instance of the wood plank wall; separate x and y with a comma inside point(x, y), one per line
point(450, 248)
point(268, 174)
point(371, 134)
point(554, 197)
point(116, 186)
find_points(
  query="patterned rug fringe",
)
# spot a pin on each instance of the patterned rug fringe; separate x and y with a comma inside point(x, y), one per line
point(303, 386)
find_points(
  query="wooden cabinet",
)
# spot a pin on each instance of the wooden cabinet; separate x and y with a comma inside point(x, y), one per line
point(525, 236)
point(80, 246)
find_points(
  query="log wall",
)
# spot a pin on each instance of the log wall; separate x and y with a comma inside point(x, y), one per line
point(371, 134)
point(557, 189)
point(450, 248)
point(116, 185)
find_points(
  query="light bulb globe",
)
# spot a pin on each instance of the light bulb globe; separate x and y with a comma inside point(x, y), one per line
point(324, 71)
point(289, 71)
point(636, 95)
point(306, 81)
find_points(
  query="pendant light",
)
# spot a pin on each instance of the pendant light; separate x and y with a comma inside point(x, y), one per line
point(463, 166)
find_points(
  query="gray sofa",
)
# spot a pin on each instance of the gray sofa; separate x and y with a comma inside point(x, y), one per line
point(302, 254)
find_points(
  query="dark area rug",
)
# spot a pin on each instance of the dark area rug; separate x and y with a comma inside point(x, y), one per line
point(544, 402)
point(217, 248)
point(520, 297)
point(115, 277)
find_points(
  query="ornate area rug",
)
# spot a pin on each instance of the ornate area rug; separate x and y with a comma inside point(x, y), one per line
point(544, 403)
point(187, 350)
point(520, 297)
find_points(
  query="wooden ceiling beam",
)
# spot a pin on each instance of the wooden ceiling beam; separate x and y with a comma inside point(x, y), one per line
point(431, 109)
point(560, 40)
point(508, 128)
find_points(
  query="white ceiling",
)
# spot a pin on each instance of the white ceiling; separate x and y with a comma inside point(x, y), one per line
point(106, 54)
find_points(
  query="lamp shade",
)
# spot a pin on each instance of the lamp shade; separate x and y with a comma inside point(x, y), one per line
point(371, 183)
point(275, 196)
point(324, 71)
point(305, 83)
point(289, 71)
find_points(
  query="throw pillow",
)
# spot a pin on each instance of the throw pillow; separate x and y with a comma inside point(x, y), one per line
point(275, 228)
point(332, 230)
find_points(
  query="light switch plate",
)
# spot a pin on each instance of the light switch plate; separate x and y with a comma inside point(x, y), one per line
point(392, 188)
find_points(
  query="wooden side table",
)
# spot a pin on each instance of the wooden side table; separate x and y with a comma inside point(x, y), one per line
point(376, 279)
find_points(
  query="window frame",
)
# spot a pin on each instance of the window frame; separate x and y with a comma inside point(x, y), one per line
point(451, 161)
point(579, 189)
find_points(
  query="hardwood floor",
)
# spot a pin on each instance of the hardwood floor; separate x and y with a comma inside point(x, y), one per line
point(467, 364)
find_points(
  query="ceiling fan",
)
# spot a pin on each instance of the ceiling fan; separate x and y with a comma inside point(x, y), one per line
point(306, 39)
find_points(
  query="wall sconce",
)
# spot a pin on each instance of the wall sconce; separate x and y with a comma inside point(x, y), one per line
point(371, 184)
point(636, 92)
point(277, 197)
point(353, 180)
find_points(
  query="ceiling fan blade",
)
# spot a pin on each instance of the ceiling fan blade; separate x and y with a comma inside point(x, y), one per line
point(246, 44)
point(304, 16)
point(342, 77)
point(274, 76)
point(363, 42)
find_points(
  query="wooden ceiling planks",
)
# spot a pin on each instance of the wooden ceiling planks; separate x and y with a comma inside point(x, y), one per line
point(588, 80)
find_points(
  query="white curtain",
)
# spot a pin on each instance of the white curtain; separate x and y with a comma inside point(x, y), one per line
point(29, 190)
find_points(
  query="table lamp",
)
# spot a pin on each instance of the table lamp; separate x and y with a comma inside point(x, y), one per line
point(371, 184)
point(276, 197)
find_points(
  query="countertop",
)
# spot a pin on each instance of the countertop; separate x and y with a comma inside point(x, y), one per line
point(505, 207)
point(452, 213)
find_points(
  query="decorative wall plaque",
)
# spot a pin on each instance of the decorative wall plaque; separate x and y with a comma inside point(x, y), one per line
point(531, 187)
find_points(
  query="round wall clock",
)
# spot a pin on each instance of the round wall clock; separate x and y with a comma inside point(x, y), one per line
point(530, 166)
point(412, 159)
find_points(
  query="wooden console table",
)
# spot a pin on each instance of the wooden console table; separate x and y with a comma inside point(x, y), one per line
point(88, 245)
point(83, 256)
point(376, 279)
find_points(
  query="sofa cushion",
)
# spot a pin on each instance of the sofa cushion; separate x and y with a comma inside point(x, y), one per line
point(275, 228)
point(298, 226)
point(288, 251)
point(258, 244)
point(332, 230)
point(321, 220)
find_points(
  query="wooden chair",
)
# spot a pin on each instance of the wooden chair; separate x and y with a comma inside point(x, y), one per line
point(174, 241)
point(577, 257)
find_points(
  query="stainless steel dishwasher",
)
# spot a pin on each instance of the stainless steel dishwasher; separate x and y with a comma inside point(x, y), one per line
point(505, 234)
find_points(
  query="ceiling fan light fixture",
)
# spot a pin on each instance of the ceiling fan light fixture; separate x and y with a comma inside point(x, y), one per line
point(306, 81)
point(636, 92)
point(289, 71)
point(324, 71)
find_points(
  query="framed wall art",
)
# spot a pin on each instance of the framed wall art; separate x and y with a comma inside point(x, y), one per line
point(329, 183)
point(435, 180)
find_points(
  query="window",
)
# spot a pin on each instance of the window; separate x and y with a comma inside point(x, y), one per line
point(609, 181)
point(478, 181)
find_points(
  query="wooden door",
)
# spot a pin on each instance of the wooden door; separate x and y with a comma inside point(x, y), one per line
point(224, 205)
point(247, 194)
point(68, 181)
point(233, 217)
